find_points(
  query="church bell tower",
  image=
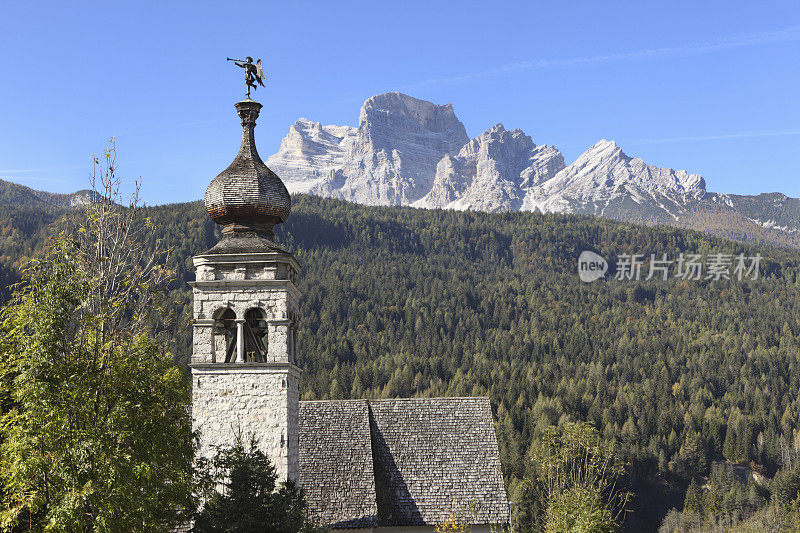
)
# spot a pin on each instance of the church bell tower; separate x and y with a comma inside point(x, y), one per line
point(244, 374)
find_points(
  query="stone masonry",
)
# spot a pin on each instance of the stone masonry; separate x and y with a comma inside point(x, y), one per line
point(243, 399)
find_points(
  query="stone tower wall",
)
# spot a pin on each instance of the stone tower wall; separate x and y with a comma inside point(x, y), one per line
point(252, 401)
point(240, 400)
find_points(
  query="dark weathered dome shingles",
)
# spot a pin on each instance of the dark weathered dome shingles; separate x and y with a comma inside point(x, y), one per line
point(248, 196)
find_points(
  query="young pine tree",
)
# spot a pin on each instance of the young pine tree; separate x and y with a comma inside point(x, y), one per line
point(250, 500)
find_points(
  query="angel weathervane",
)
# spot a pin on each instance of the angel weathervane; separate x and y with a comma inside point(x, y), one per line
point(252, 72)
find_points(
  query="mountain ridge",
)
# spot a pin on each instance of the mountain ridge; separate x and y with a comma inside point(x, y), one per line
point(16, 194)
point(407, 151)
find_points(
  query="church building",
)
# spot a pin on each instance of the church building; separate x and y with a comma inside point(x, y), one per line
point(388, 465)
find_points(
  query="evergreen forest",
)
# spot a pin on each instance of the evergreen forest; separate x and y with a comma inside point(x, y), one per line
point(689, 377)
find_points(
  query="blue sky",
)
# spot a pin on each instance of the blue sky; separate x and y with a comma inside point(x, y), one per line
point(711, 87)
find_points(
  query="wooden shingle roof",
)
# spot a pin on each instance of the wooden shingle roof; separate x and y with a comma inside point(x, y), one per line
point(336, 467)
point(401, 462)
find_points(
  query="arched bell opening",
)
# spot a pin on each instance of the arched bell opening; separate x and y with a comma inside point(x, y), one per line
point(224, 335)
point(256, 339)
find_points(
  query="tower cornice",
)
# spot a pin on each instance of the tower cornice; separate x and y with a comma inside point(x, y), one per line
point(222, 284)
point(245, 368)
point(246, 258)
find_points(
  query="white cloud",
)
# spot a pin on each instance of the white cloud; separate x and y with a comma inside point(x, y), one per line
point(706, 47)
point(742, 135)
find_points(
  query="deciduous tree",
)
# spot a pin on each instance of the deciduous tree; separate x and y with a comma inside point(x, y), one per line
point(96, 433)
point(579, 470)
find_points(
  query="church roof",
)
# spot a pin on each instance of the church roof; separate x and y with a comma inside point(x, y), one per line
point(401, 462)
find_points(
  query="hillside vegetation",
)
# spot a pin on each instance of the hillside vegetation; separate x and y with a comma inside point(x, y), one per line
point(408, 302)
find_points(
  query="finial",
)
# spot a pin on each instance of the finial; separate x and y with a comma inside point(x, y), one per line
point(252, 72)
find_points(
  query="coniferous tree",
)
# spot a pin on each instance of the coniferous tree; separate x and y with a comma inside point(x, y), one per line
point(694, 498)
point(251, 499)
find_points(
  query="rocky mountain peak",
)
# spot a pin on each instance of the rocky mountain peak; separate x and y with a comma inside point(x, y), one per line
point(395, 121)
point(603, 150)
point(397, 107)
point(604, 181)
point(303, 123)
point(304, 130)
point(309, 153)
point(409, 151)
point(498, 140)
point(492, 172)
point(604, 144)
point(605, 161)
point(496, 130)
point(390, 158)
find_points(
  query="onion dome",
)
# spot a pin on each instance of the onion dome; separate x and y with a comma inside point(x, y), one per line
point(247, 199)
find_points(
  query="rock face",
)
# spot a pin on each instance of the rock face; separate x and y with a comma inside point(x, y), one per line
point(408, 151)
point(390, 159)
point(604, 181)
point(310, 153)
point(493, 172)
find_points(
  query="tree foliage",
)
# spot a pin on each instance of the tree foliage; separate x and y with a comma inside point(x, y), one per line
point(411, 302)
point(693, 502)
point(579, 508)
point(250, 500)
point(95, 431)
point(578, 472)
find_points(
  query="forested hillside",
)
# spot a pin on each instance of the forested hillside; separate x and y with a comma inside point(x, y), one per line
point(408, 302)
point(20, 195)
